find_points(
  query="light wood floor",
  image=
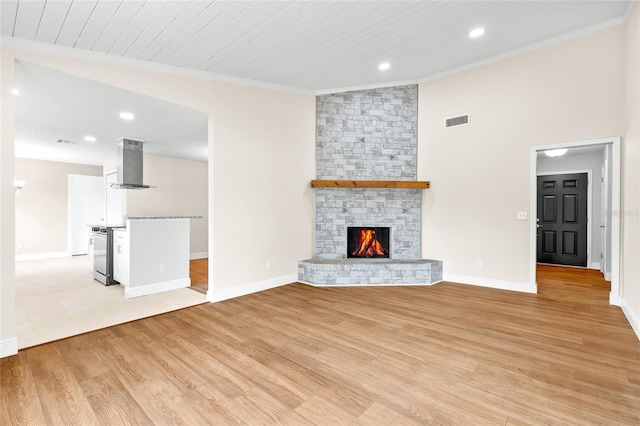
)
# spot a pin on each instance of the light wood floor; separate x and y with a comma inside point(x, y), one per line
point(446, 354)
point(199, 274)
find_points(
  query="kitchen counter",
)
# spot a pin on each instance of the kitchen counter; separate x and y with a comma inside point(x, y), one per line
point(151, 256)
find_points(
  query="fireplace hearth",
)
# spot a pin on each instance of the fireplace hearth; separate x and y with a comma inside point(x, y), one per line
point(368, 242)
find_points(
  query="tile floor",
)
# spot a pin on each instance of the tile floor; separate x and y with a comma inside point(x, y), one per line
point(57, 298)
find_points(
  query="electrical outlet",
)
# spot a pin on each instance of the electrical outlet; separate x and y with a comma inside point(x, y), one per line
point(478, 263)
point(20, 246)
point(522, 216)
point(163, 268)
point(268, 265)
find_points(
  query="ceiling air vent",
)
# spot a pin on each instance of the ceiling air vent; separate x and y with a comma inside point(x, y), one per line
point(66, 142)
point(456, 121)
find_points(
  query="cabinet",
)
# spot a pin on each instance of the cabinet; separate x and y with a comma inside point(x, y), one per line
point(115, 205)
point(121, 264)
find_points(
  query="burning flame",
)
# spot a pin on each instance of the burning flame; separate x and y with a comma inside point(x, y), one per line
point(368, 245)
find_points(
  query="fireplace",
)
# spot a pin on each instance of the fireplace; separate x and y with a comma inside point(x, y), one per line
point(368, 242)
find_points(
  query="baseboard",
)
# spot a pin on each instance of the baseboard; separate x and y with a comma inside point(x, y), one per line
point(522, 287)
point(8, 347)
point(367, 285)
point(595, 265)
point(230, 293)
point(42, 256)
point(144, 290)
point(607, 276)
point(631, 317)
point(203, 255)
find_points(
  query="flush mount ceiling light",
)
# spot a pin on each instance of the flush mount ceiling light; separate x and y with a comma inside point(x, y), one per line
point(476, 32)
point(90, 138)
point(384, 66)
point(127, 115)
point(556, 152)
point(15, 91)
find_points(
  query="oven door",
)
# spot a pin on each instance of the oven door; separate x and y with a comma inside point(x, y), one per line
point(100, 257)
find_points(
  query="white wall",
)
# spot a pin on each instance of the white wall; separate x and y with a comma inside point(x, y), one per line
point(578, 159)
point(261, 160)
point(42, 206)
point(181, 189)
point(630, 273)
point(480, 173)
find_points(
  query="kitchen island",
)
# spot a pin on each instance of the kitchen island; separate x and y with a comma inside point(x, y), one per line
point(151, 254)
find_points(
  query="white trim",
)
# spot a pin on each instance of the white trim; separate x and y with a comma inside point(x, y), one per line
point(368, 285)
point(214, 295)
point(519, 286)
point(144, 290)
point(365, 87)
point(535, 46)
point(54, 49)
point(201, 255)
point(615, 142)
point(634, 321)
point(616, 204)
point(589, 203)
point(595, 265)
point(8, 347)
point(607, 276)
point(42, 256)
point(16, 43)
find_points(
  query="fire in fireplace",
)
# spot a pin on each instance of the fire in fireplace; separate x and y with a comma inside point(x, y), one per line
point(368, 241)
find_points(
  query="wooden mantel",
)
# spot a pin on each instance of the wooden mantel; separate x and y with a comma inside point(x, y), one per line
point(411, 184)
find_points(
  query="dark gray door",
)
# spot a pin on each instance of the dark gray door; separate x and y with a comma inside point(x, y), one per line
point(562, 219)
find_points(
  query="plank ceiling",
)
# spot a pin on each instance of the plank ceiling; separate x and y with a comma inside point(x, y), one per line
point(308, 45)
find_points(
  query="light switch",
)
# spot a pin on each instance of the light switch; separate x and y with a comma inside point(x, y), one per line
point(522, 215)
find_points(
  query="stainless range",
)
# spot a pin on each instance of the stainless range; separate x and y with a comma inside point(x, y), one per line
point(102, 237)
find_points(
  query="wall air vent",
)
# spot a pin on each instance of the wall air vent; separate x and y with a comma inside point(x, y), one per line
point(456, 121)
point(66, 142)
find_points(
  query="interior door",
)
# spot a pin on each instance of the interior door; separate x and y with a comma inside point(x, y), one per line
point(86, 207)
point(562, 219)
point(603, 221)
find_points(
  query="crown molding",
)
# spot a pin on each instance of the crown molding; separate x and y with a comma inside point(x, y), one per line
point(10, 42)
point(530, 48)
point(37, 46)
point(366, 87)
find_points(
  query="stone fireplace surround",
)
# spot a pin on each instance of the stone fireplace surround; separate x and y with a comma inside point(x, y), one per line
point(368, 135)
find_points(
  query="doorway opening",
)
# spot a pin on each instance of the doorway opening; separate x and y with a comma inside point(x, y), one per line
point(599, 159)
point(564, 209)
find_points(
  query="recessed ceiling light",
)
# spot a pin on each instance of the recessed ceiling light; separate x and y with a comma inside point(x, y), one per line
point(476, 32)
point(15, 91)
point(127, 116)
point(90, 138)
point(384, 66)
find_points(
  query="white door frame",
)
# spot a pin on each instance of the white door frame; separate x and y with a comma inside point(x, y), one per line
point(615, 142)
point(589, 204)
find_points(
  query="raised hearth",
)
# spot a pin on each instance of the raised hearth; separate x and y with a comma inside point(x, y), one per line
point(328, 272)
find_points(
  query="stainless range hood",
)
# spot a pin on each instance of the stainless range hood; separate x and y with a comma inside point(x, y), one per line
point(130, 165)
